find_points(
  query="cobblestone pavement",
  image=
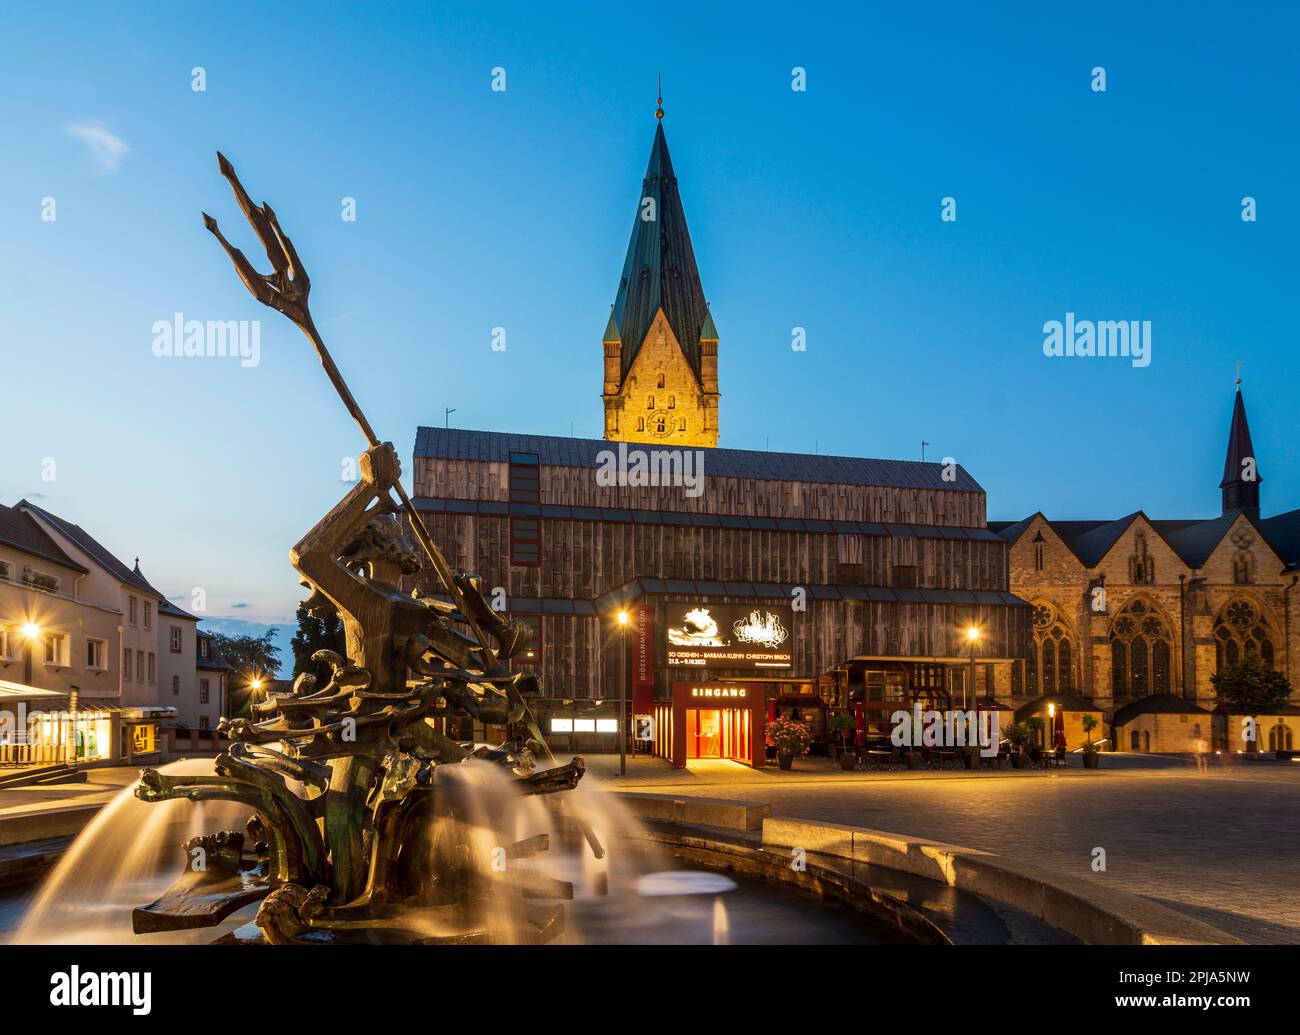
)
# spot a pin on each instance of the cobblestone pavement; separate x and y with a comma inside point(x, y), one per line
point(1221, 844)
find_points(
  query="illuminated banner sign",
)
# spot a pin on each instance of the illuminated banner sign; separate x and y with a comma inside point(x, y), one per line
point(729, 635)
point(643, 660)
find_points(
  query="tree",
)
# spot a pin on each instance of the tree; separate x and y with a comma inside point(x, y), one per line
point(316, 634)
point(1250, 687)
point(249, 657)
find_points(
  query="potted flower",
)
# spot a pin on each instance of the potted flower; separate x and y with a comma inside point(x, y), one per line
point(1034, 724)
point(1018, 736)
point(844, 725)
point(1091, 759)
point(790, 737)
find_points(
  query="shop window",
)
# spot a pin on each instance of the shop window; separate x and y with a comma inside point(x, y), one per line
point(144, 739)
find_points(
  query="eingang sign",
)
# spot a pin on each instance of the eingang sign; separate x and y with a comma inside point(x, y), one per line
point(729, 635)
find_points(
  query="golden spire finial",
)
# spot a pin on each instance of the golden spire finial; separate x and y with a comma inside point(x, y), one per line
point(659, 112)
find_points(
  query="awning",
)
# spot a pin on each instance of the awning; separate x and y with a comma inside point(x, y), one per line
point(22, 692)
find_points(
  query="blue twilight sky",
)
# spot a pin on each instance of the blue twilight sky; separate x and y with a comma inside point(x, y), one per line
point(477, 209)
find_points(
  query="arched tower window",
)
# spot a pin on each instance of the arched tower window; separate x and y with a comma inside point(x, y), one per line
point(1050, 668)
point(1141, 646)
point(1241, 628)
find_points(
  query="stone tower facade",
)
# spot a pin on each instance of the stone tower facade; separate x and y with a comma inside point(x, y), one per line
point(660, 344)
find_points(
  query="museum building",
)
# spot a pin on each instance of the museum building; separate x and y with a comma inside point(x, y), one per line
point(715, 588)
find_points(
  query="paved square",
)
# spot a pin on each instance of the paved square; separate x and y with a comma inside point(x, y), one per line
point(1222, 844)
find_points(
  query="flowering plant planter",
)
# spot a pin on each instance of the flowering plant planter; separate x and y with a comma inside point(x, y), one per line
point(789, 736)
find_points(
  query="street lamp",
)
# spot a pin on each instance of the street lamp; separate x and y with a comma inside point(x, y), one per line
point(622, 694)
point(31, 633)
point(1050, 733)
point(972, 637)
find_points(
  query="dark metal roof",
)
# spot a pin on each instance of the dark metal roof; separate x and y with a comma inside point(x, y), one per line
point(21, 531)
point(557, 451)
point(1239, 494)
point(659, 271)
point(1156, 704)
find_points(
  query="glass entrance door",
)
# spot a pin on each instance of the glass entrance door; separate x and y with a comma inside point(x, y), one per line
point(703, 733)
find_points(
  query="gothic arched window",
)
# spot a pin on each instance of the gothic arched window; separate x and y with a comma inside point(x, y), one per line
point(1242, 629)
point(1049, 669)
point(1141, 648)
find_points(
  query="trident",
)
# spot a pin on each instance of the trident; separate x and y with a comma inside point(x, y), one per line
point(286, 291)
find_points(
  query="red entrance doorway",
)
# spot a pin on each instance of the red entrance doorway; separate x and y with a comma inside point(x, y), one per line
point(719, 733)
point(712, 720)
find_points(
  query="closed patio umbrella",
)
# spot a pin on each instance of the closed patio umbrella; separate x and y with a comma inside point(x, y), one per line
point(1058, 730)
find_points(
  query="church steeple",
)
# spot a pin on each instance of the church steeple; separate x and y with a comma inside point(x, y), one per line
point(661, 345)
point(659, 271)
point(1241, 478)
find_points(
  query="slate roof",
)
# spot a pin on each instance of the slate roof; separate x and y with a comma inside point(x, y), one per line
point(1193, 540)
point(1283, 532)
point(89, 545)
point(1156, 704)
point(1239, 445)
point(557, 451)
point(21, 531)
point(660, 271)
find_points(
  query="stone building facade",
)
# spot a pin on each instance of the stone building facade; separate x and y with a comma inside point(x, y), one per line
point(1136, 607)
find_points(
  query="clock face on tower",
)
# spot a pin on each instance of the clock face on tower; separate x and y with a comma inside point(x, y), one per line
point(660, 424)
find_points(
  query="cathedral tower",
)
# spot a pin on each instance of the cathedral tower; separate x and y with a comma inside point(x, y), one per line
point(660, 345)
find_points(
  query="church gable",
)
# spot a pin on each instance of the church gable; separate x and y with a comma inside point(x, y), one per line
point(1140, 557)
point(1040, 557)
point(1242, 557)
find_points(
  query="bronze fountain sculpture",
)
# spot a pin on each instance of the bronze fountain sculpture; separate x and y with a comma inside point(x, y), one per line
point(344, 843)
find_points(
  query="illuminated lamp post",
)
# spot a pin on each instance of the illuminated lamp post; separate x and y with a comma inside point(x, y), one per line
point(970, 700)
point(622, 693)
point(31, 633)
point(972, 638)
